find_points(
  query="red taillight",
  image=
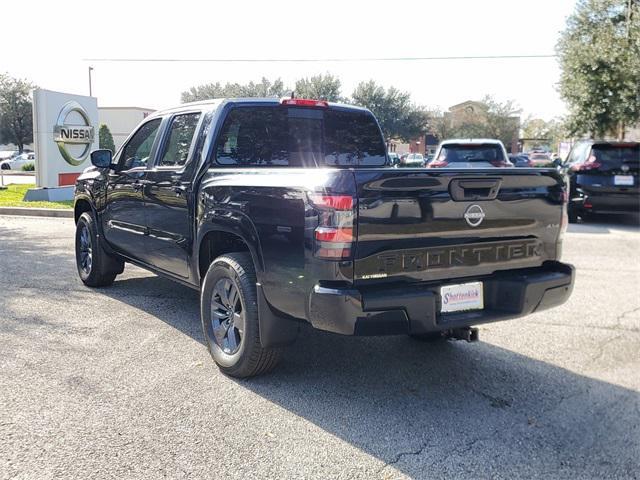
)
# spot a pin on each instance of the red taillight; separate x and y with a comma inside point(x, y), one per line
point(590, 164)
point(335, 202)
point(335, 233)
point(304, 102)
point(437, 164)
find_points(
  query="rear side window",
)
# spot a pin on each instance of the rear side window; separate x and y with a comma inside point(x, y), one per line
point(470, 153)
point(614, 156)
point(282, 136)
point(181, 131)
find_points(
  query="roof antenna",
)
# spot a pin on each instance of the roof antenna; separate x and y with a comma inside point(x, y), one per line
point(293, 94)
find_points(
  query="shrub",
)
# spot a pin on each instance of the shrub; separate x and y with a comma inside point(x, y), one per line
point(105, 139)
point(28, 167)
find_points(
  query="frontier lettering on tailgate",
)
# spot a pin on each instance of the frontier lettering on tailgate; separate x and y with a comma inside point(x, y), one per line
point(463, 256)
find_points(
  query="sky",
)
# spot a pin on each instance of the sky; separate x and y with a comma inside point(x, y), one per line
point(50, 42)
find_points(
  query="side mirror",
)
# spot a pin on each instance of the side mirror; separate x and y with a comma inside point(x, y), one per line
point(102, 158)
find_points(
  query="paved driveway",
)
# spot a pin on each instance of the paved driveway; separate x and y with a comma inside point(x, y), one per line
point(116, 383)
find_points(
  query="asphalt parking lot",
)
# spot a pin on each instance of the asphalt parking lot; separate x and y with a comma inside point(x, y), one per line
point(116, 383)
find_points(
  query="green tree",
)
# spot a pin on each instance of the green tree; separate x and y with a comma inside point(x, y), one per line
point(491, 119)
point(264, 88)
point(398, 116)
point(319, 87)
point(600, 60)
point(553, 131)
point(16, 113)
point(502, 120)
point(105, 139)
point(440, 124)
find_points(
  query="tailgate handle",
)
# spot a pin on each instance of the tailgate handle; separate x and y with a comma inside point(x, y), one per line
point(474, 189)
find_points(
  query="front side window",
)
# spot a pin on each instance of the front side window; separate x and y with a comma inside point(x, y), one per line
point(181, 133)
point(137, 151)
point(299, 137)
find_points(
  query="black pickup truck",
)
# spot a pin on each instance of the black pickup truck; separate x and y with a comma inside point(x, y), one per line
point(288, 211)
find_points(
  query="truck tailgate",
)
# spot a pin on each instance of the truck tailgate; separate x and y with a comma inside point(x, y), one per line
point(417, 225)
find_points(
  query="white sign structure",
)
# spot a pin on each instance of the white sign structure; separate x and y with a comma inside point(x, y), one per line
point(65, 130)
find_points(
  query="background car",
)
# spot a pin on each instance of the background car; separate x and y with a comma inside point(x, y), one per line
point(5, 156)
point(603, 178)
point(412, 160)
point(540, 159)
point(18, 161)
point(394, 158)
point(470, 153)
point(519, 160)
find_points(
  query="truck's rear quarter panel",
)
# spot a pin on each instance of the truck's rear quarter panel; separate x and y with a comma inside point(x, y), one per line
point(269, 209)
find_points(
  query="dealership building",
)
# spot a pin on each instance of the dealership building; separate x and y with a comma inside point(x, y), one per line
point(122, 120)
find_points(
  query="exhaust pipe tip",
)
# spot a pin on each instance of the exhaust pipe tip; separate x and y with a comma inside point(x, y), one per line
point(468, 334)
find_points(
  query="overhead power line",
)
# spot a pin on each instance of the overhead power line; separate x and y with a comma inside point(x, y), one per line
point(316, 60)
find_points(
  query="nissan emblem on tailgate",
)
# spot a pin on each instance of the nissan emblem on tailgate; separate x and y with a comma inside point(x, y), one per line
point(474, 215)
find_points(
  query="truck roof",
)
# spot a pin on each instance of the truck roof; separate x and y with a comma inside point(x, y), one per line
point(215, 103)
point(478, 141)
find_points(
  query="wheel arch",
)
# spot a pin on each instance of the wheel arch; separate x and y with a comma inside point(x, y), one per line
point(214, 241)
point(82, 204)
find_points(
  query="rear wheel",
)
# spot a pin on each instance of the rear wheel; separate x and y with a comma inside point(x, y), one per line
point(229, 314)
point(95, 266)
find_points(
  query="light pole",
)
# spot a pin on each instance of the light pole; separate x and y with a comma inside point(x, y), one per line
point(90, 93)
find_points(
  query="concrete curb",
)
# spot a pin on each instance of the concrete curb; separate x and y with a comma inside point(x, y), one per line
point(18, 173)
point(37, 212)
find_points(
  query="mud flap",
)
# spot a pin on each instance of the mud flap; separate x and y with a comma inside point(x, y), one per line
point(275, 330)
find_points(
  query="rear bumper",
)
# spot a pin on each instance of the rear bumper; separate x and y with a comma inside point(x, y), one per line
point(627, 202)
point(415, 309)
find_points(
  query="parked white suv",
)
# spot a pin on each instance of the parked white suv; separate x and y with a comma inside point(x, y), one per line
point(470, 153)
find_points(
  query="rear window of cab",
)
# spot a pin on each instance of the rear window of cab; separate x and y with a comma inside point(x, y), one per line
point(286, 136)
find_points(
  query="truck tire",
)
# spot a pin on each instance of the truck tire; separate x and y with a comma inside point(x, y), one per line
point(95, 266)
point(229, 314)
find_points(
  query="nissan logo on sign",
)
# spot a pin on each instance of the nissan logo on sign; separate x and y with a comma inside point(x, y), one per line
point(474, 215)
point(73, 133)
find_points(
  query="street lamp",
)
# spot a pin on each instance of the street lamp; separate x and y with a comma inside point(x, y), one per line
point(90, 93)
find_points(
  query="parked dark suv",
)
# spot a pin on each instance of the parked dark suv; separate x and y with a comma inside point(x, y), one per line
point(603, 178)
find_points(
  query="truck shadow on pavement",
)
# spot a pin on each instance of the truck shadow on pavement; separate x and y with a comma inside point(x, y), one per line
point(443, 409)
point(427, 410)
point(607, 224)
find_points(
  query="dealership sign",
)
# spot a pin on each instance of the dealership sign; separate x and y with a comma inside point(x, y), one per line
point(65, 134)
point(64, 131)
